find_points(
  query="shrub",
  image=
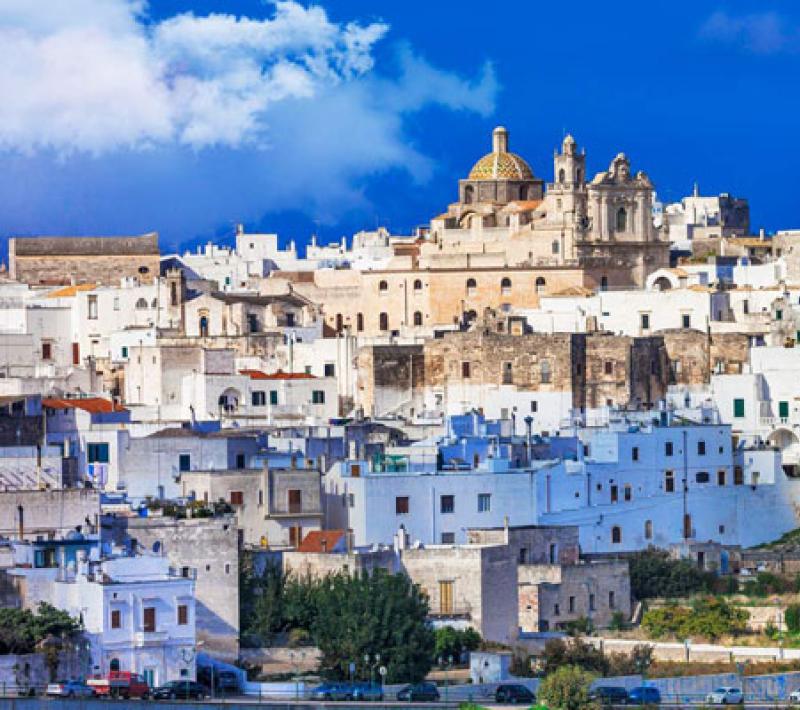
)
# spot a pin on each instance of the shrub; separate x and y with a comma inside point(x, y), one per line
point(618, 622)
point(575, 652)
point(567, 688)
point(792, 618)
point(655, 574)
point(709, 617)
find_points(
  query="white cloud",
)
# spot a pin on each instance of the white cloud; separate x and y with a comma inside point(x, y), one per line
point(760, 33)
point(287, 112)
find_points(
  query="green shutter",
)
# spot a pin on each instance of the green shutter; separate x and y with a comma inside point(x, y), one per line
point(783, 410)
point(738, 407)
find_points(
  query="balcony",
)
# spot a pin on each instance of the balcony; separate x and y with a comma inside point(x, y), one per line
point(451, 612)
point(142, 639)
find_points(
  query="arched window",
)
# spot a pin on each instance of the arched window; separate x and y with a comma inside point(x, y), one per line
point(203, 326)
point(417, 285)
point(555, 247)
point(546, 372)
point(523, 192)
point(141, 304)
point(469, 194)
point(616, 535)
point(360, 322)
point(540, 285)
point(562, 176)
point(622, 220)
point(383, 287)
point(648, 529)
point(472, 286)
point(417, 317)
point(604, 283)
point(579, 176)
point(384, 321)
point(505, 286)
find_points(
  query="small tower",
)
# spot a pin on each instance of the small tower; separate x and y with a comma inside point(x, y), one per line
point(569, 166)
point(176, 296)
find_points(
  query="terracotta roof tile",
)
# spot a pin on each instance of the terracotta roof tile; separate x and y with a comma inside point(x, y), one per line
point(279, 375)
point(93, 405)
point(321, 541)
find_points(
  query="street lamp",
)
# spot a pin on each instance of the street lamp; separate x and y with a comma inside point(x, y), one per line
point(446, 663)
point(294, 658)
point(368, 663)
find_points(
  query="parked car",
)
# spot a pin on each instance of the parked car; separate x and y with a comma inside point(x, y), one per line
point(69, 689)
point(514, 693)
point(794, 697)
point(226, 682)
point(180, 690)
point(367, 692)
point(644, 695)
point(120, 684)
point(609, 695)
point(725, 696)
point(333, 691)
point(419, 693)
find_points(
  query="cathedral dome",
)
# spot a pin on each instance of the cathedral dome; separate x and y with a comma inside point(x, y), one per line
point(500, 164)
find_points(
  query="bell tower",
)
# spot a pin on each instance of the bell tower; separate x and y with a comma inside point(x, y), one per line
point(569, 166)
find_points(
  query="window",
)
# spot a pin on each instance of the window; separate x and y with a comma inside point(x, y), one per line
point(472, 287)
point(627, 493)
point(738, 408)
point(783, 410)
point(604, 283)
point(446, 597)
point(608, 367)
point(258, 398)
point(318, 397)
point(523, 556)
point(383, 321)
point(97, 453)
point(92, 306)
point(534, 406)
point(622, 220)
point(505, 286)
point(553, 553)
point(612, 602)
point(721, 477)
point(290, 322)
point(237, 498)
point(508, 373)
point(701, 448)
point(184, 462)
point(183, 614)
point(592, 605)
point(447, 504)
point(648, 529)
point(47, 351)
point(116, 619)
point(738, 476)
point(241, 460)
point(778, 314)
point(484, 502)
point(572, 605)
point(616, 535)
point(745, 306)
point(401, 505)
point(448, 538)
point(668, 448)
point(124, 351)
point(417, 318)
point(469, 194)
point(116, 302)
point(273, 396)
point(417, 285)
point(203, 326)
point(465, 369)
point(614, 490)
point(540, 285)
point(635, 453)
point(383, 287)
point(545, 372)
point(686, 320)
point(701, 477)
point(149, 619)
point(339, 323)
point(141, 305)
point(359, 322)
point(555, 247)
point(645, 321)
point(556, 610)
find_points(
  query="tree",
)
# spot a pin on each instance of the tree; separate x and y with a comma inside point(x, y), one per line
point(21, 629)
point(455, 642)
point(567, 688)
point(655, 574)
point(575, 652)
point(709, 617)
point(366, 615)
point(792, 618)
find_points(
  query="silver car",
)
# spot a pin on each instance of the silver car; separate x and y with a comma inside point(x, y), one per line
point(69, 689)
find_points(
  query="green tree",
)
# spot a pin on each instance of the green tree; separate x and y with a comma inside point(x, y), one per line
point(455, 642)
point(655, 574)
point(709, 617)
point(792, 618)
point(365, 615)
point(21, 629)
point(575, 652)
point(566, 688)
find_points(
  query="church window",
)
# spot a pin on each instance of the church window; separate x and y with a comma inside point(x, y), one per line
point(469, 194)
point(383, 286)
point(384, 321)
point(622, 220)
point(555, 247)
point(359, 322)
point(562, 176)
point(141, 304)
point(472, 287)
point(417, 317)
point(505, 286)
point(540, 285)
point(418, 285)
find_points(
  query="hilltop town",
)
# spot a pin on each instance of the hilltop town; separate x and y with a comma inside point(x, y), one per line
point(547, 382)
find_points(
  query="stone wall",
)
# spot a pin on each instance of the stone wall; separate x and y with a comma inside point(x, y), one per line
point(48, 512)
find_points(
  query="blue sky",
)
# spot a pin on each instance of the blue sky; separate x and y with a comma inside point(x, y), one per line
point(187, 116)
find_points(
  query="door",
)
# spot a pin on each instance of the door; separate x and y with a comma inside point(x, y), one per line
point(295, 535)
point(150, 677)
point(446, 597)
point(295, 501)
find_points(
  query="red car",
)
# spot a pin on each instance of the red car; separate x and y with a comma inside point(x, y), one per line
point(120, 684)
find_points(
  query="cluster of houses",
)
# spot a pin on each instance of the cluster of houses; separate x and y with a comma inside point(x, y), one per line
point(502, 406)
